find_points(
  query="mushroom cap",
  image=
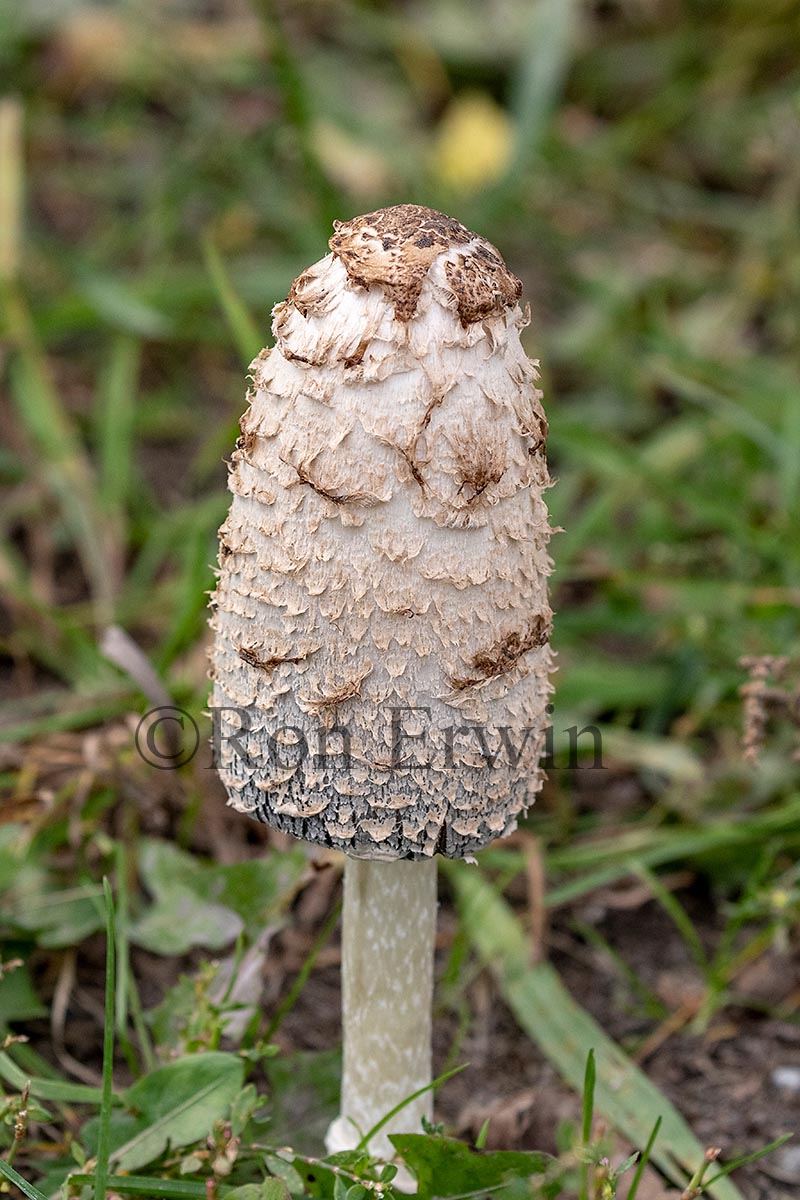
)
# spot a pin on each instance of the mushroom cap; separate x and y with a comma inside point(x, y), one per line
point(381, 657)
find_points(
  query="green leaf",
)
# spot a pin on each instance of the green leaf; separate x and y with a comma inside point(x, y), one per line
point(566, 1033)
point(447, 1167)
point(57, 916)
point(317, 1179)
point(182, 916)
point(179, 921)
point(259, 889)
point(180, 1103)
point(172, 1107)
point(18, 1000)
point(203, 904)
point(270, 1189)
point(285, 1172)
point(243, 1108)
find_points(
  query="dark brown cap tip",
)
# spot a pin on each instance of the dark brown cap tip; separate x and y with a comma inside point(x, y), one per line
point(394, 247)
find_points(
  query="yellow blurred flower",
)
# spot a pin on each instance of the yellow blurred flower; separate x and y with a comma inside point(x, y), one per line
point(473, 143)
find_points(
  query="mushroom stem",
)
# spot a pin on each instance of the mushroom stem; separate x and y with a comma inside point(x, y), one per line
point(389, 927)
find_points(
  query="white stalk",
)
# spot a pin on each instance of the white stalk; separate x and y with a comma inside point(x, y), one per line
point(388, 932)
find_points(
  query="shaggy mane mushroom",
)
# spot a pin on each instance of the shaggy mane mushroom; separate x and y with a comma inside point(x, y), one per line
point(382, 592)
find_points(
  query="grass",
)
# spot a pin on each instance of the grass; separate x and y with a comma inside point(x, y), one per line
point(165, 172)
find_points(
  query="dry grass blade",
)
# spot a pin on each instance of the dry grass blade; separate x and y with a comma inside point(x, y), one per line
point(10, 187)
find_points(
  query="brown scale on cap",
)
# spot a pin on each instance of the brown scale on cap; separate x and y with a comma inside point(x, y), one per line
point(503, 655)
point(394, 247)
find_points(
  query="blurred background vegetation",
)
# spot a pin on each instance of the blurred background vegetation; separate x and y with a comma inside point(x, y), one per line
point(166, 169)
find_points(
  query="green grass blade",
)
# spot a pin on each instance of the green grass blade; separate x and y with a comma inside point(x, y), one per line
point(483, 1133)
point(26, 1188)
point(122, 947)
point(141, 1185)
point(541, 74)
point(565, 1032)
point(192, 586)
point(596, 862)
point(696, 391)
point(115, 420)
point(643, 1161)
point(677, 914)
point(245, 332)
point(288, 1002)
point(48, 1089)
point(589, 1081)
point(60, 459)
point(749, 1158)
point(104, 1134)
point(429, 1087)
point(54, 714)
point(298, 96)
